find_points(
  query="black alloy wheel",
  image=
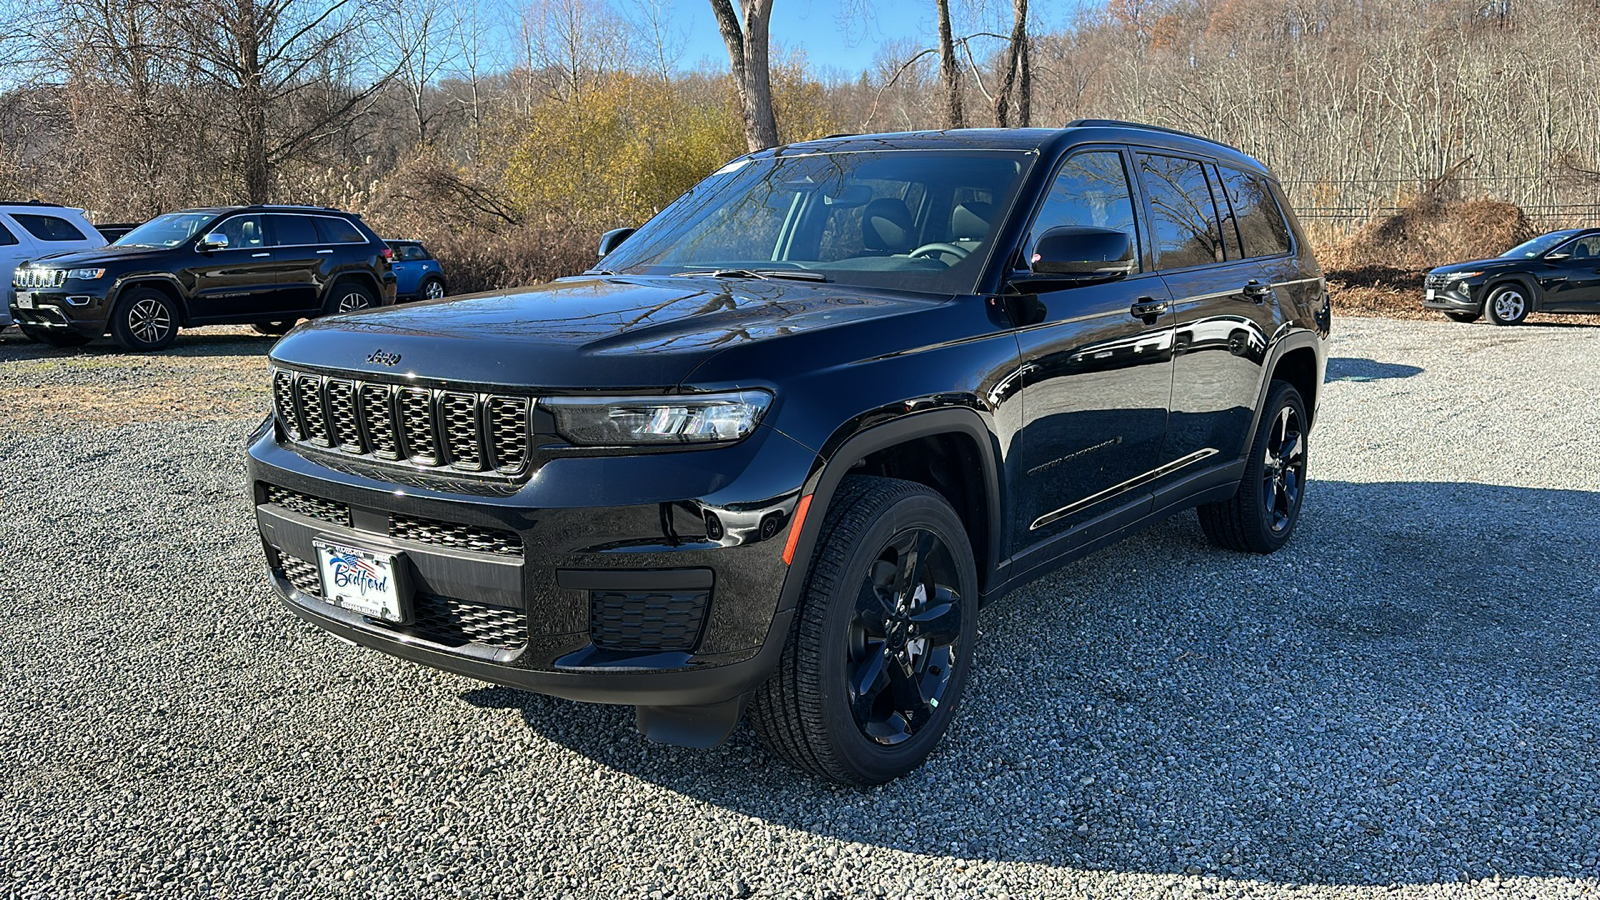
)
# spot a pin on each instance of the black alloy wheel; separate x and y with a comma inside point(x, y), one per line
point(349, 296)
point(144, 320)
point(1261, 516)
point(881, 643)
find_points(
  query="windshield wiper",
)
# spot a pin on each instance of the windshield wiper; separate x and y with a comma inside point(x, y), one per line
point(762, 274)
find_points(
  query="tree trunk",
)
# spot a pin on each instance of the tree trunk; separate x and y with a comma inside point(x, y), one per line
point(747, 42)
point(1017, 81)
point(949, 70)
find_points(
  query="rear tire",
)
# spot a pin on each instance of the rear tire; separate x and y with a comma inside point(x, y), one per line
point(1261, 516)
point(1463, 317)
point(59, 339)
point(272, 329)
point(880, 647)
point(144, 320)
point(349, 296)
point(1508, 304)
point(433, 289)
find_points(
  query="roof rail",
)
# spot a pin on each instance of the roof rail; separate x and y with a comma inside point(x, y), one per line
point(29, 203)
point(1139, 126)
point(289, 206)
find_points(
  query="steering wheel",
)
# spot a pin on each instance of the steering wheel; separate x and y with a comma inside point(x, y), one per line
point(959, 253)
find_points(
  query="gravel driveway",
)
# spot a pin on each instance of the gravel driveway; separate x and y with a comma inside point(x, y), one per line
point(1405, 697)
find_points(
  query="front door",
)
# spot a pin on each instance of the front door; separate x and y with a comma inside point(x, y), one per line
point(1573, 282)
point(237, 282)
point(1097, 370)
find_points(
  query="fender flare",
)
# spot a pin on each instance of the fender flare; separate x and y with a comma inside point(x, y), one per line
point(825, 477)
point(1528, 282)
point(1293, 341)
point(366, 279)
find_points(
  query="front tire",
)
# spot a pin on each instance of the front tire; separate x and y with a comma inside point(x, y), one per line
point(1261, 516)
point(145, 320)
point(880, 647)
point(1463, 317)
point(1508, 304)
point(62, 340)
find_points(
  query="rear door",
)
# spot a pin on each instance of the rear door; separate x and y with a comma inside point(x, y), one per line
point(237, 283)
point(1097, 377)
point(297, 258)
point(1221, 282)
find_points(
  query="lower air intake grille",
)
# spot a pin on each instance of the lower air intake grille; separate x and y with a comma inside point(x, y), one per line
point(452, 622)
point(458, 537)
point(647, 622)
point(309, 506)
point(301, 574)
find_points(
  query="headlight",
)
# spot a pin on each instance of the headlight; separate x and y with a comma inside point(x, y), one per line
point(633, 421)
point(86, 274)
point(1463, 276)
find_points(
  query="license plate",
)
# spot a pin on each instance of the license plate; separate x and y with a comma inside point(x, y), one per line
point(362, 581)
point(1431, 294)
point(24, 300)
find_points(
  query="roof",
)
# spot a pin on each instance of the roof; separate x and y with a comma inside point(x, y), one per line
point(1044, 141)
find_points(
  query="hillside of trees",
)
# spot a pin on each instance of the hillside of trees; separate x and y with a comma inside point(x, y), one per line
point(511, 134)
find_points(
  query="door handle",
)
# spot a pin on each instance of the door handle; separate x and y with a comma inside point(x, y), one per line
point(260, 255)
point(1256, 291)
point(1149, 309)
point(324, 251)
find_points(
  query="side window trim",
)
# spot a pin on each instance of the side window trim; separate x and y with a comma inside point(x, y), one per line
point(1229, 222)
point(1136, 200)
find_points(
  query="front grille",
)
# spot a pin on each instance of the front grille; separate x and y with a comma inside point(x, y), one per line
point(33, 279)
point(311, 507)
point(1436, 281)
point(454, 430)
point(647, 622)
point(459, 537)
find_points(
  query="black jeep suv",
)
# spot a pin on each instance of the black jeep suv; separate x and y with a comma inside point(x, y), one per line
point(1557, 272)
point(778, 448)
point(268, 266)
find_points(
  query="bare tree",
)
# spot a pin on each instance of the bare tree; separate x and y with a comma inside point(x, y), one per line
point(949, 69)
point(747, 41)
point(422, 34)
point(1017, 81)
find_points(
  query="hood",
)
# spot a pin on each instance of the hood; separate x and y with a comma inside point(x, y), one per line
point(1498, 262)
point(584, 333)
point(99, 256)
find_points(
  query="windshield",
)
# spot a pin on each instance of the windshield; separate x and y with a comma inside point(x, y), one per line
point(169, 230)
point(1539, 246)
point(911, 219)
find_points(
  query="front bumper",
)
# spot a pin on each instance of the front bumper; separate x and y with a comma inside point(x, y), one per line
point(651, 580)
point(65, 310)
point(1455, 296)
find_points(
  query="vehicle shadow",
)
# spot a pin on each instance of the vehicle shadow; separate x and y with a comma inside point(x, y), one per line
point(199, 343)
point(1405, 694)
point(1346, 368)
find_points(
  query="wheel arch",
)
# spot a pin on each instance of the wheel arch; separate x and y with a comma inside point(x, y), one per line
point(365, 279)
point(1300, 359)
point(1521, 279)
point(166, 284)
point(936, 448)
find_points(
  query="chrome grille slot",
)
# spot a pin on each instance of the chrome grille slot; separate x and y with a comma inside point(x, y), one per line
point(34, 279)
point(417, 427)
point(508, 433)
point(416, 424)
point(379, 416)
point(343, 426)
point(459, 413)
point(283, 401)
point(308, 394)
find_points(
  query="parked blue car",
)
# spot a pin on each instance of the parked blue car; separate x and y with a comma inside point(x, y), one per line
point(420, 277)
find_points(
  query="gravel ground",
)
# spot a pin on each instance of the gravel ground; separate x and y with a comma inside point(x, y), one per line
point(1402, 700)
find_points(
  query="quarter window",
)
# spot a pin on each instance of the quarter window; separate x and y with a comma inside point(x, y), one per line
point(337, 231)
point(1185, 218)
point(48, 228)
point(293, 231)
point(7, 239)
point(1091, 189)
point(1261, 225)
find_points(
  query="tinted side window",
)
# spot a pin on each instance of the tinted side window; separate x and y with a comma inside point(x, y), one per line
point(7, 239)
point(293, 231)
point(337, 231)
point(1090, 189)
point(1261, 225)
point(1185, 226)
point(243, 232)
point(1230, 227)
point(48, 228)
point(410, 253)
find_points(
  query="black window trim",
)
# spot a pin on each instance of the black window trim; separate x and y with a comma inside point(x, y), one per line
point(1202, 159)
point(1147, 267)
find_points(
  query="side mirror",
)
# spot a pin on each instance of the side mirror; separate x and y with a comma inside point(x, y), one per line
point(613, 239)
point(214, 241)
point(1084, 253)
point(1557, 257)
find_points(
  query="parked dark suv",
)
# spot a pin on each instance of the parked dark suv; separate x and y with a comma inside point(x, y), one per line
point(268, 266)
point(778, 448)
point(1557, 272)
